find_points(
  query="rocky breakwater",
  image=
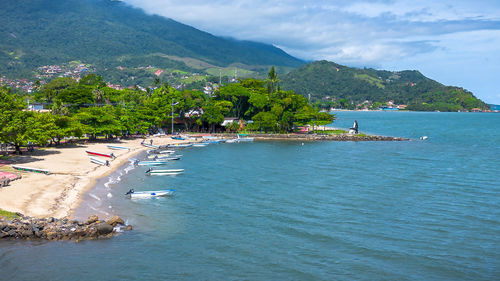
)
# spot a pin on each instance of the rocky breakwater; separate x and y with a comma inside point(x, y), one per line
point(29, 228)
point(319, 137)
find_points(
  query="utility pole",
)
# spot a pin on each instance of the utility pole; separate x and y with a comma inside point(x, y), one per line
point(173, 115)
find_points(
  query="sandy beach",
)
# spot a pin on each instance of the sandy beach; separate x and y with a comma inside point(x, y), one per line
point(71, 175)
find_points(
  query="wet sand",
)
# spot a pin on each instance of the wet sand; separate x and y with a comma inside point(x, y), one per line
point(72, 174)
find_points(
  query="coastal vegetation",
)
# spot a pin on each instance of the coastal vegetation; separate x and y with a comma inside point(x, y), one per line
point(7, 215)
point(333, 85)
point(89, 108)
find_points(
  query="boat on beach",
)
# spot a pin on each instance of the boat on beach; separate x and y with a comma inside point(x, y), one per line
point(178, 138)
point(149, 194)
point(150, 145)
point(110, 155)
point(117, 147)
point(99, 161)
point(29, 169)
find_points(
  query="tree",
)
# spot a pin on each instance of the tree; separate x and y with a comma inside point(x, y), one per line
point(99, 121)
point(266, 121)
point(272, 81)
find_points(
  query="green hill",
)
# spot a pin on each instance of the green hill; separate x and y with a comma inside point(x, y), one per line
point(108, 33)
point(323, 79)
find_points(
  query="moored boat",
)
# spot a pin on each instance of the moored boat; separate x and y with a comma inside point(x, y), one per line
point(180, 145)
point(201, 144)
point(148, 194)
point(151, 163)
point(29, 169)
point(167, 172)
point(110, 155)
point(166, 152)
point(164, 157)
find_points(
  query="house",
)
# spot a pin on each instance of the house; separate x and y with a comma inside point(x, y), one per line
point(229, 120)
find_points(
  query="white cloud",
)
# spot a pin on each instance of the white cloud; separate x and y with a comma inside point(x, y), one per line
point(356, 32)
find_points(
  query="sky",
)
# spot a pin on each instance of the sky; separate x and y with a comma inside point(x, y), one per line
point(455, 42)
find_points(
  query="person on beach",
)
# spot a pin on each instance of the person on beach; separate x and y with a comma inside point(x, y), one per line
point(151, 141)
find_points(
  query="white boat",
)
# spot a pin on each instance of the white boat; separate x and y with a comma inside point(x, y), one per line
point(168, 172)
point(150, 145)
point(166, 152)
point(148, 194)
point(240, 139)
point(243, 138)
point(117, 147)
point(180, 145)
point(201, 144)
point(151, 163)
point(99, 161)
point(164, 156)
point(29, 169)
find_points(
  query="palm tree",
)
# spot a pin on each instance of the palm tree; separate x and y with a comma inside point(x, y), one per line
point(272, 81)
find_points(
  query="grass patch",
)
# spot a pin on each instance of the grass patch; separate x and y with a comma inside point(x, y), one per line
point(372, 80)
point(8, 215)
point(331, 132)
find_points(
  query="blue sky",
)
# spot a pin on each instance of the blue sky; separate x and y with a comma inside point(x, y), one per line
point(455, 42)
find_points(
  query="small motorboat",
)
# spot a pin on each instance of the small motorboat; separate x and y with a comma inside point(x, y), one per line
point(166, 152)
point(163, 156)
point(107, 155)
point(201, 144)
point(168, 172)
point(29, 169)
point(150, 145)
point(99, 161)
point(148, 194)
point(178, 138)
point(180, 145)
point(151, 163)
point(116, 147)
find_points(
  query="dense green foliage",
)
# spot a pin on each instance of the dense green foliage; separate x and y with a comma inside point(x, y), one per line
point(107, 33)
point(350, 86)
point(91, 108)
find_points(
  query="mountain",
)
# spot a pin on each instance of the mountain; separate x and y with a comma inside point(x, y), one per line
point(108, 33)
point(322, 79)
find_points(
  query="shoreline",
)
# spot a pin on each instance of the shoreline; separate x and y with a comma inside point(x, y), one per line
point(60, 193)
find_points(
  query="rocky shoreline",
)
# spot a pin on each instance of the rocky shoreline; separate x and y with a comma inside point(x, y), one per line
point(51, 229)
point(318, 137)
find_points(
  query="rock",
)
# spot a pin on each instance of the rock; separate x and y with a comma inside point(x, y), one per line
point(51, 220)
point(12, 233)
point(129, 227)
point(104, 228)
point(2, 225)
point(27, 233)
point(115, 220)
point(92, 219)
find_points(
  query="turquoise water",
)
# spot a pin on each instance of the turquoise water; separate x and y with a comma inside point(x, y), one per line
point(417, 210)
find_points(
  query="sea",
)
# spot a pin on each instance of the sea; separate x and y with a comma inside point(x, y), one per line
point(300, 210)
